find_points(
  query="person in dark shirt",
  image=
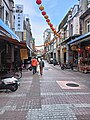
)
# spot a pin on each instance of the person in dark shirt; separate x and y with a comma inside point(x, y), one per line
point(41, 65)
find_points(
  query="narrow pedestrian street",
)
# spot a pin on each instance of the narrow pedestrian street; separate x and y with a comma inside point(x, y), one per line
point(47, 97)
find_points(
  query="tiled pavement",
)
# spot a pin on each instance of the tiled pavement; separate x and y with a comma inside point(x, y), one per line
point(48, 97)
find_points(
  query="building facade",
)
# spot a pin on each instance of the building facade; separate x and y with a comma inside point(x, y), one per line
point(23, 28)
point(47, 36)
point(9, 42)
point(82, 43)
point(73, 46)
point(79, 47)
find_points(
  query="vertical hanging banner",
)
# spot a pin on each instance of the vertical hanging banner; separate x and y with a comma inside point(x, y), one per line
point(23, 54)
point(19, 18)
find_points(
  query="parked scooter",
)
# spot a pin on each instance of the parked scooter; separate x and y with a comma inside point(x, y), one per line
point(27, 67)
point(54, 62)
point(67, 66)
point(10, 83)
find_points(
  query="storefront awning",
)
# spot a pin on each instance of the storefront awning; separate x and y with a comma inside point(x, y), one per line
point(13, 41)
point(80, 38)
point(69, 39)
point(22, 44)
point(8, 30)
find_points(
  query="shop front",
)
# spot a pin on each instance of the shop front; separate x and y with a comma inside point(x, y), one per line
point(84, 58)
point(81, 52)
point(9, 43)
point(74, 55)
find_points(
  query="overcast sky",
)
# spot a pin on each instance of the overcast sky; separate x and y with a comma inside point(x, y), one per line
point(55, 9)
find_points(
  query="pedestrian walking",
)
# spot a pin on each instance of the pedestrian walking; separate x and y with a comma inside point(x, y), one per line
point(34, 65)
point(41, 65)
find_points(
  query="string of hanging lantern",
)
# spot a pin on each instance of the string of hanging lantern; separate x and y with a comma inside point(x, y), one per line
point(41, 8)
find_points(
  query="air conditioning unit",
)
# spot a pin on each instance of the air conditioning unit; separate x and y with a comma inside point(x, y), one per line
point(8, 23)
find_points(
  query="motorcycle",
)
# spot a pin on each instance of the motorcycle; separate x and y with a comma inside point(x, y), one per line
point(67, 66)
point(27, 67)
point(10, 83)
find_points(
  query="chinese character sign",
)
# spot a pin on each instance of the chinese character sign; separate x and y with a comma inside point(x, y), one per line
point(19, 18)
point(23, 54)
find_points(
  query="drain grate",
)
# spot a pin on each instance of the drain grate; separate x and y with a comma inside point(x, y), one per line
point(72, 85)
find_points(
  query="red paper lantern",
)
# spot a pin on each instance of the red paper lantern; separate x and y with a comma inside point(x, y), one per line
point(88, 48)
point(50, 25)
point(55, 32)
point(58, 35)
point(80, 50)
point(52, 28)
point(41, 8)
point(38, 2)
point(43, 13)
point(46, 17)
point(47, 20)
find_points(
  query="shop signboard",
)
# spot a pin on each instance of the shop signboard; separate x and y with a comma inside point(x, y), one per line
point(19, 18)
point(23, 54)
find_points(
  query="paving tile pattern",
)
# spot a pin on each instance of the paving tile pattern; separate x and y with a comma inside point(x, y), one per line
point(52, 112)
point(42, 98)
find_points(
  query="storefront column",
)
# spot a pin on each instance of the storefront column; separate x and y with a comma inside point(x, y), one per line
point(0, 58)
point(61, 57)
point(79, 58)
point(12, 54)
point(67, 53)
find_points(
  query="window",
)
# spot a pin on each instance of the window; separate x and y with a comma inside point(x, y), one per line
point(18, 24)
point(18, 17)
point(88, 26)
